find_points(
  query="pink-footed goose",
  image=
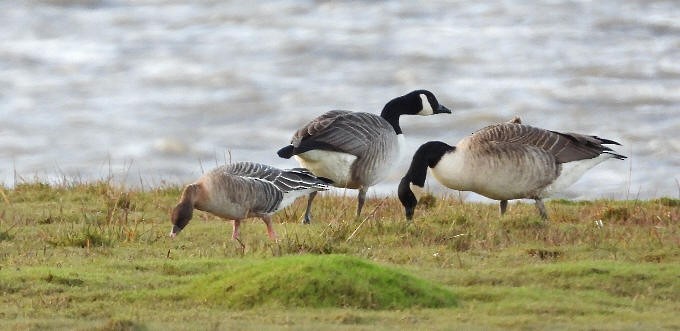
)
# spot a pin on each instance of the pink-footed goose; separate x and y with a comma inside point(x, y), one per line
point(357, 150)
point(243, 190)
point(506, 161)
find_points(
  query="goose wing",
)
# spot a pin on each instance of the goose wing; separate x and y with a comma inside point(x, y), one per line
point(298, 179)
point(565, 147)
point(284, 180)
point(341, 131)
point(253, 170)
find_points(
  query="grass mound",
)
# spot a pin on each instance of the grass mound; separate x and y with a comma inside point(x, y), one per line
point(318, 281)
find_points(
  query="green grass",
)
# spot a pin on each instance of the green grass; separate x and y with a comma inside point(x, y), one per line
point(96, 256)
point(320, 281)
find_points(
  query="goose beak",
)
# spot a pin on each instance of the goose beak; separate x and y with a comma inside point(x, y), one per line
point(175, 231)
point(409, 213)
point(442, 110)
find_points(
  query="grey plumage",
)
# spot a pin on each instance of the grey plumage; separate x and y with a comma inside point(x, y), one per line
point(242, 190)
point(263, 184)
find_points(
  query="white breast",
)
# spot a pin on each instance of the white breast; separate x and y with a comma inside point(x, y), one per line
point(335, 166)
point(451, 171)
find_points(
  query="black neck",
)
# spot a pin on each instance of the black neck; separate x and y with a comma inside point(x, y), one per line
point(392, 117)
point(427, 155)
point(391, 114)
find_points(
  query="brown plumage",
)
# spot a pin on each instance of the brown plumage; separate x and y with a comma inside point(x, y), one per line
point(243, 190)
point(507, 161)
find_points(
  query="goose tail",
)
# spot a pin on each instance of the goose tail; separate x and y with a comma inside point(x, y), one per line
point(615, 155)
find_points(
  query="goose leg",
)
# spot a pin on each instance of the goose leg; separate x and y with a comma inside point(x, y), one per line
point(308, 212)
point(268, 222)
point(541, 209)
point(362, 199)
point(235, 234)
point(503, 206)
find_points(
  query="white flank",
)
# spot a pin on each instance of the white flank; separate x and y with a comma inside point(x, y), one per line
point(289, 197)
point(427, 107)
point(571, 172)
point(332, 165)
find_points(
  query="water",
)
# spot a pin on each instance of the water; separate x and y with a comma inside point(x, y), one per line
point(155, 92)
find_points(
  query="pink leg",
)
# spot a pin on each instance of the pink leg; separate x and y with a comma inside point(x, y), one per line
point(235, 233)
point(270, 230)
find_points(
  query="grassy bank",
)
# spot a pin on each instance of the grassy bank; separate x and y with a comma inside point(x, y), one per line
point(95, 256)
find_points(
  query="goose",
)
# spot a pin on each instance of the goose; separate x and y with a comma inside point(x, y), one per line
point(356, 150)
point(243, 190)
point(506, 161)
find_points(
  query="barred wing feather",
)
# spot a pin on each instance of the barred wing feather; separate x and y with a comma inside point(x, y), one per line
point(341, 131)
point(565, 147)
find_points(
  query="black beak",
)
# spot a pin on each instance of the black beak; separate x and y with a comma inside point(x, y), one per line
point(409, 213)
point(442, 110)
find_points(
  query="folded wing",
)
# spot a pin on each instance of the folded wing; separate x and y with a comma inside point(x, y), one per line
point(340, 131)
point(565, 147)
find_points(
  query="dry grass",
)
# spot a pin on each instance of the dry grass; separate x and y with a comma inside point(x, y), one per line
point(96, 256)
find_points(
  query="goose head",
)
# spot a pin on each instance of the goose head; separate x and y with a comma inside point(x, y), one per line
point(407, 198)
point(183, 211)
point(418, 102)
point(428, 155)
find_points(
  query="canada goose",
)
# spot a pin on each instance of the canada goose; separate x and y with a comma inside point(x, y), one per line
point(357, 150)
point(506, 161)
point(243, 190)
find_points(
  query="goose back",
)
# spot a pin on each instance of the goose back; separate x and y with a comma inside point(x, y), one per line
point(565, 147)
point(364, 144)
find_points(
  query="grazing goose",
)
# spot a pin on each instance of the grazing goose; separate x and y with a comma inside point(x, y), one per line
point(242, 190)
point(506, 161)
point(357, 150)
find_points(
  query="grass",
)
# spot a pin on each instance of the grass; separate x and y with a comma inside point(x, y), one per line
point(320, 281)
point(97, 256)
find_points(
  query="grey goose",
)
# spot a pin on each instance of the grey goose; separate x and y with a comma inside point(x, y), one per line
point(356, 150)
point(242, 190)
point(506, 161)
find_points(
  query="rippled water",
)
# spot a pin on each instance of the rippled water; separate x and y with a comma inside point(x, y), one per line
point(155, 92)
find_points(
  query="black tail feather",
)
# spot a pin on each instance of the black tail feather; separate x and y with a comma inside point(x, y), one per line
point(606, 141)
point(617, 156)
point(306, 172)
point(327, 180)
point(286, 152)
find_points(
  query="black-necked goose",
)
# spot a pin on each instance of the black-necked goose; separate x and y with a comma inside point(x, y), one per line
point(357, 150)
point(243, 190)
point(506, 161)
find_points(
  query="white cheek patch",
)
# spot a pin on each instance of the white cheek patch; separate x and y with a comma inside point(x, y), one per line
point(427, 107)
point(417, 190)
